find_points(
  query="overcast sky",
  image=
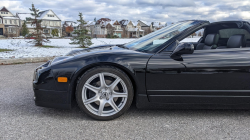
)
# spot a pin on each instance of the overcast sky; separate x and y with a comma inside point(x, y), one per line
point(148, 10)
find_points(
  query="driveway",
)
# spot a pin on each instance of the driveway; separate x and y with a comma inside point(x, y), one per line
point(21, 119)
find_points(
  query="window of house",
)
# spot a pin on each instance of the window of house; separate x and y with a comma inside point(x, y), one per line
point(5, 21)
point(10, 21)
point(50, 15)
point(46, 31)
point(14, 21)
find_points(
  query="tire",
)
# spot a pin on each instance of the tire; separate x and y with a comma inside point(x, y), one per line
point(104, 100)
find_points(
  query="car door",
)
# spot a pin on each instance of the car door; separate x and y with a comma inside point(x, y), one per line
point(217, 76)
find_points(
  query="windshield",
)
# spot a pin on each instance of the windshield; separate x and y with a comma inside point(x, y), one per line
point(153, 40)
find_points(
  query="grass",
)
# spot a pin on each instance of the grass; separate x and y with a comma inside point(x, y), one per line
point(46, 46)
point(5, 50)
point(82, 47)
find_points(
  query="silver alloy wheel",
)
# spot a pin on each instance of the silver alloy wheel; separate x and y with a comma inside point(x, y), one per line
point(106, 99)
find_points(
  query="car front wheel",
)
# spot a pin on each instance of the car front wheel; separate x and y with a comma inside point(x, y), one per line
point(104, 93)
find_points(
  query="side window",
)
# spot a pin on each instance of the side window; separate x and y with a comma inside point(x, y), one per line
point(194, 37)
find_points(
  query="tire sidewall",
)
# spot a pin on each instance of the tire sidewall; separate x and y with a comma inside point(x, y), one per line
point(101, 69)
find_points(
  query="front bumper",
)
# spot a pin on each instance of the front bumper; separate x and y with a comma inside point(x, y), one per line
point(52, 99)
point(46, 93)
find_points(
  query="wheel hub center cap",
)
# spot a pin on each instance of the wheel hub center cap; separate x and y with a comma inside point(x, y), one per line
point(105, 93)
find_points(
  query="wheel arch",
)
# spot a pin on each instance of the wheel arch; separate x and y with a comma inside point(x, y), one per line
point(86, 68)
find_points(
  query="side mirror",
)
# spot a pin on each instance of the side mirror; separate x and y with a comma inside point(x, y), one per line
point(182, 48)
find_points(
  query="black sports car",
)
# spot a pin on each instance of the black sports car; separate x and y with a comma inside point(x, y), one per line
point(155, 71)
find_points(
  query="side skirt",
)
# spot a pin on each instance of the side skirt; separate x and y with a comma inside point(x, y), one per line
point(142, 102)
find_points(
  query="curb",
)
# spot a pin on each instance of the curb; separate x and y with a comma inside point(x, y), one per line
point(24, 60)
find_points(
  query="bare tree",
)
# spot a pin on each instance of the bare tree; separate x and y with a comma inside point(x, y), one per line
point(199, 34)
point(110, 30)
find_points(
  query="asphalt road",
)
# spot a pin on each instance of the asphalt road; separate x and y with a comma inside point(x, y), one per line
point(21, 119)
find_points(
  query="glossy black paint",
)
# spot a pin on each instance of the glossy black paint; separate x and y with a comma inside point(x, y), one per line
point(211, 77)
point(182, 48)
point(132, 62)
point(203, 79)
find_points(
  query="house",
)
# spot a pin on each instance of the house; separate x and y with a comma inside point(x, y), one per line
point(131, 29)
point(49, 20)
point(135, 30)
point(158, 25)
point(100, 27)
point(114, 28)
point(90, 26)
point(146, 26)
point(9, 24)
point(124, 24)
point(69, 24)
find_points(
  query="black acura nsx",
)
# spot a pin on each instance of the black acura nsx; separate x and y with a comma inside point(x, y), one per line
point(154, 71)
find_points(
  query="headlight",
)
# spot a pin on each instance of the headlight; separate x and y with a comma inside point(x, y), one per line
point(37, 71)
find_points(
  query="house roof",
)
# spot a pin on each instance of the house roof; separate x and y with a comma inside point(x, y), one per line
point(4, 9)
point(124, 22)
point(24, 16)
point(69, 23)
point(105, 21)
point(116, 22)
point(102, 20)
point(43, 13)
point(10, 17)
point(159, 24)
point(135, 23)
point(112, 23)
point(144, 23)
point(89, 23)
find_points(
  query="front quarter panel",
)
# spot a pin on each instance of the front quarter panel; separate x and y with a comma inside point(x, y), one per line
point(131, 62)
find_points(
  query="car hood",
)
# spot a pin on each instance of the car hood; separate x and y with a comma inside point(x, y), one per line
point(99, 48)
point(93, 50)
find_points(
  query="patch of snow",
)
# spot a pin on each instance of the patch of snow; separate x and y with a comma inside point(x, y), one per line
point(22, 49)
point(195, 39)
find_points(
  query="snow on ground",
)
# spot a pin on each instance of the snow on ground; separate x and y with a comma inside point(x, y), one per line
point(195, 39)
point(22, 49)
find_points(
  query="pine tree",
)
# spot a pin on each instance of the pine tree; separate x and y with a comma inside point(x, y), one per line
point(39, 39)
point(82, 39)
point(25, 30)
point(54, 32)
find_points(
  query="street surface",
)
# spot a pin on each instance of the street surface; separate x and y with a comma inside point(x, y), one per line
point(21, 119)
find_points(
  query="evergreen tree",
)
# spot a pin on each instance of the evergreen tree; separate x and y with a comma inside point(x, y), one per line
point(39, 39)
point(25, 30)
point(82, 39)
point(54, 32)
